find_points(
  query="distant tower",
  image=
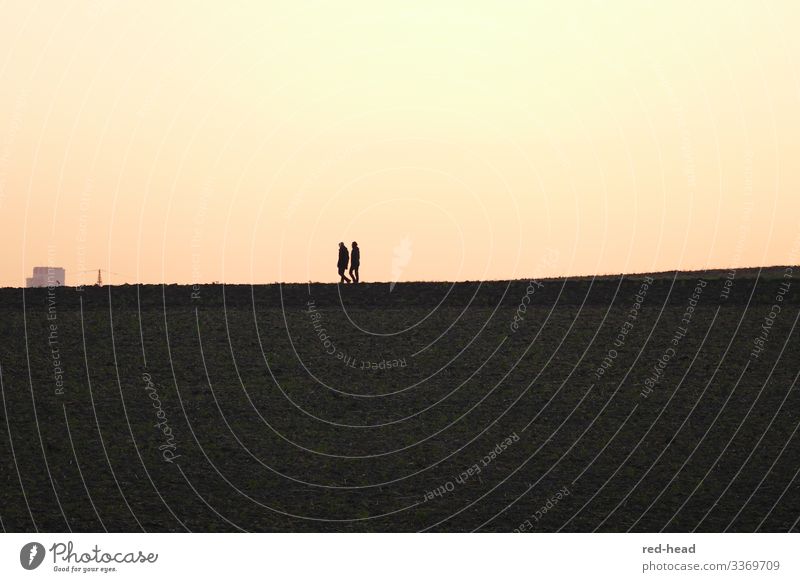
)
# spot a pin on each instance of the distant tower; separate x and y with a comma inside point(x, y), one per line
point(99, 279)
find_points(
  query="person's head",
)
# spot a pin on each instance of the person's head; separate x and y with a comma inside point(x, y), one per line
point(355, 244)
point(341, 244)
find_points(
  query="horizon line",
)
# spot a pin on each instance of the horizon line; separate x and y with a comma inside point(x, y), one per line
point(559, 277)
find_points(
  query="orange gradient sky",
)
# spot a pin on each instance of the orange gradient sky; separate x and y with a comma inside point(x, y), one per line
point(241, 141)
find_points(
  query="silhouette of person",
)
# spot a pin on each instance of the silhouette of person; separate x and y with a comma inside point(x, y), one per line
point(344, 258)
point(355, 262)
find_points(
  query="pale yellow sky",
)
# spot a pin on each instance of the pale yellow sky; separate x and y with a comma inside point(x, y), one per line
point(196, 141)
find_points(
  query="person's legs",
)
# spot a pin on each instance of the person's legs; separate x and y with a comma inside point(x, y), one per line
point(344, 278)
point(354, 274)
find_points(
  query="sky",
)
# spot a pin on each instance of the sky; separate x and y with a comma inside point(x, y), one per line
point(191, 142)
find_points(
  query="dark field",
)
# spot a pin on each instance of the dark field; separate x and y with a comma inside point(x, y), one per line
point(435, 410)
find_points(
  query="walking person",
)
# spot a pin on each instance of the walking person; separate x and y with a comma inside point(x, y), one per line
point(355, 262)
point(344, 258)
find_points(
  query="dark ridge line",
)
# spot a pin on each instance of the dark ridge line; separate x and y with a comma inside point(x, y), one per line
point(741, 273)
